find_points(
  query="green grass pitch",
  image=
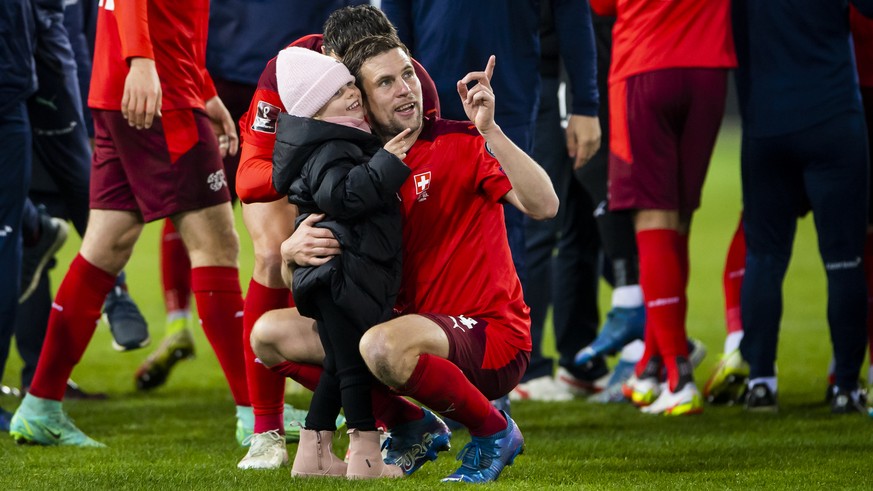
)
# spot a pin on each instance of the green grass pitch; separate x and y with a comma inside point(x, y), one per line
point(181, 436)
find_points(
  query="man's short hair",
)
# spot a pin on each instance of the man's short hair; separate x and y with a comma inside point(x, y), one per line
point(367, 48)
point(347, 25)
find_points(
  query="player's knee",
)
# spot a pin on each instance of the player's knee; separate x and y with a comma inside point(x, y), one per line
point(381, 352)
point(264, 339)
point(268, 257)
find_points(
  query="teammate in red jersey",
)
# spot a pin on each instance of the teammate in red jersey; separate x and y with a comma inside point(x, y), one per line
point(462, 336)
point(667, 88)
point(160, 133)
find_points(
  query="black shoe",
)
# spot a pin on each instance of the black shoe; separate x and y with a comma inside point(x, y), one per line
point(761, 399)
point(846, 402)
point(829, 393)
point(53, 234)
point(75, 392)
point(129, 328)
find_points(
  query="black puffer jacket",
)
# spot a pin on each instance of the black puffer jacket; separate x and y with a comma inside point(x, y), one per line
point(345, 173)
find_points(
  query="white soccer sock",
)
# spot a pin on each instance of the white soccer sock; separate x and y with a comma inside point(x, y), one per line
point(627, 296)
point(732, 341)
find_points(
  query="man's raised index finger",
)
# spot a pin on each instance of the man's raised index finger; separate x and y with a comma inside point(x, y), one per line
point(489, 69)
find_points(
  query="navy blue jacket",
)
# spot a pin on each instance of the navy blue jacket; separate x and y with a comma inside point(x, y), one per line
point(245, 34)
point(796, 67)
point(452, 38)
point(17, 46)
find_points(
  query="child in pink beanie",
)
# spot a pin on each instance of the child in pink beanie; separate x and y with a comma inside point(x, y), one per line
point(327, 161)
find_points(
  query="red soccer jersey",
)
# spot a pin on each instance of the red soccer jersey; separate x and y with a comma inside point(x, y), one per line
point(656, 34)
point(862, 34)
point(254, 179)
point(456, 258)
point(170, 32)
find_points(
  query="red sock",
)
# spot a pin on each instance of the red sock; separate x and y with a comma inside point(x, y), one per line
point(304, 374)
point(661, 277)
point(391, 409)
point(734, 270)
point(266, 388)
point(684, 263)
point(71, 325)
point(868, 270)
point(220, 305)
point(175, 269)
point(441, 386)
point(650, 350)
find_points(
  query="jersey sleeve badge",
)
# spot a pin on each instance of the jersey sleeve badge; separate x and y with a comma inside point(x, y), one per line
point(266, 117)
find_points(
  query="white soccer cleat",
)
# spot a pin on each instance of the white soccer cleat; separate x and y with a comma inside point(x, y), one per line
point(642, 391)
point(686, 401)
point(540, 389)
point(266, 451)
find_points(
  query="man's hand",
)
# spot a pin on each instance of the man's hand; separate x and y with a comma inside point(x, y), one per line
point(479, 101)
point(309, 245)
point(583, 138)
point(223, 127)
point(141, 100)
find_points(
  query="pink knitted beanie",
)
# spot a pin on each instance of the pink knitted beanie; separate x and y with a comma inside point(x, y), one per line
point(307, 80)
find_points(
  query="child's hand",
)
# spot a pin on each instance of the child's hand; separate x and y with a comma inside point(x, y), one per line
point(398, 145)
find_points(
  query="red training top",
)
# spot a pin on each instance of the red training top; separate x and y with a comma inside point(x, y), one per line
point(655, 34)
point(456, 259)
point(170, 32)
point(254, 177)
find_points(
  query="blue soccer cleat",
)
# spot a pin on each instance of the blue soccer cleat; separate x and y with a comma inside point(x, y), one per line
point(416, 442)
point(43, 422)
point(483, 459)
point(622, 326)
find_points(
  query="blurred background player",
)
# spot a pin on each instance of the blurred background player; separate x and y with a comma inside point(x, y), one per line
point(171, 122)
point(803, 148)
point(17, 83)
point(667, 96)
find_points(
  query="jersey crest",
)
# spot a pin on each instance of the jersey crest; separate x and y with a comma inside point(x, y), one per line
point(422, 184)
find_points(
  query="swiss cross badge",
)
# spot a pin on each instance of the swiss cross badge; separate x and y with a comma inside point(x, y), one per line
point(422, 184)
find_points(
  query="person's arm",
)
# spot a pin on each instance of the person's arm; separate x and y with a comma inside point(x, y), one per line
point(141, 99)
point(532, 190)
point(258, 126)
point(254, 177)
point(222, 125)
point(576, 43)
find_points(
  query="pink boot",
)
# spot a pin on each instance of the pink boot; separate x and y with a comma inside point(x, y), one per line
point(365, 457)
point(315, 456)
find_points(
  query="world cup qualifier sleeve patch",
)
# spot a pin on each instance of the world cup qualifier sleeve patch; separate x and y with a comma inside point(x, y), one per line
point(266, 117)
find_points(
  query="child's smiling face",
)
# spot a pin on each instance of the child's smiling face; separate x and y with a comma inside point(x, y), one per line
point(346, 102)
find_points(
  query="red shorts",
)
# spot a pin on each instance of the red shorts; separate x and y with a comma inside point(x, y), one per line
point(172, 167)
point(494, 366)
point(663, 128)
